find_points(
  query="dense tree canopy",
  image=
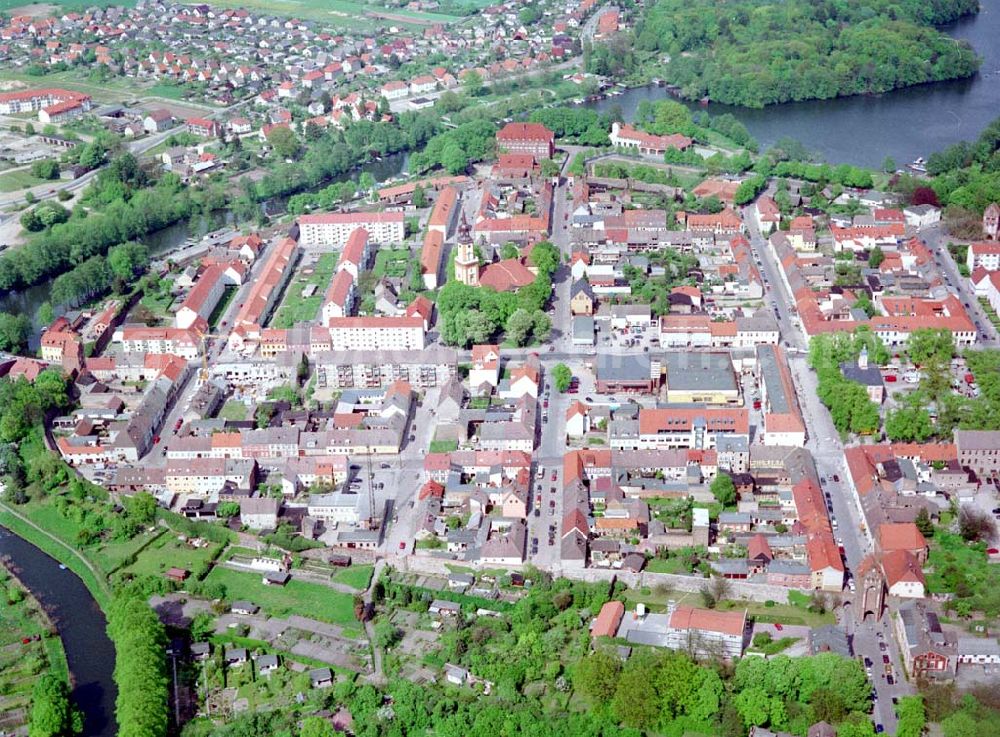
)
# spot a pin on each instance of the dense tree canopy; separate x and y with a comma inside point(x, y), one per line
point(753, 54)
point(52, 714)
point(140, 668)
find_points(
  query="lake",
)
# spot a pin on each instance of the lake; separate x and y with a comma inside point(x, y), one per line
point(89, 652)
point(864, 130)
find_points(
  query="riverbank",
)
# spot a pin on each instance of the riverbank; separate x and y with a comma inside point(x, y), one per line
point(865, 129)
point(73, 611)
point(30, 647)
point(62, 552)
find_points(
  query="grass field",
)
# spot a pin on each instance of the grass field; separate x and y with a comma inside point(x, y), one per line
point(356, 576)
point(233, 410)
point(107, 556)
point(98, 587)
point(297, 597)
point(391, 262)
point(356, 15)
point(23, 6)
point(168, 91)
point(13, 181)
point(169, 552)
point(296, 308)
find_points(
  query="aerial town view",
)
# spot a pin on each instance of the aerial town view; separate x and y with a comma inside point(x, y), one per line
point(486, 368)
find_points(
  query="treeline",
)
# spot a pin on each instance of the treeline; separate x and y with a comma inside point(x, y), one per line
point(575, 124)
point(52, 712)
point(89, 233)
point(142, 708)
point(843, 174)
point(333, 153)
point(967, 175)
point(99, 274)
point(738, 54)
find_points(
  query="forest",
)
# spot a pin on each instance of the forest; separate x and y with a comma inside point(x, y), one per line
point(967, 174)
point(755, 53)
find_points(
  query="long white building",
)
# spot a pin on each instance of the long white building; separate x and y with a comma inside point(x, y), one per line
point(376, 333)
point(332, 229)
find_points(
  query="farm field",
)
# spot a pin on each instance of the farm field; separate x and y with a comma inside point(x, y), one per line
point(357, 15)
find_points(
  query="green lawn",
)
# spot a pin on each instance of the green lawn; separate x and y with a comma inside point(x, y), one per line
point(356, 576)
point(391, 262)
point(233, 410)
point(783, 613)
point(227, 297)
point(670, 565)
point(13, 181)
point(158, 304)
point(297, 597)
point(295, 308)
point(169, 552)
point(111, 556)
point(443, 446)
point(168, 91)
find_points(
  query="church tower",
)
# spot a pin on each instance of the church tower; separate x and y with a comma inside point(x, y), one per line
point(467, 265)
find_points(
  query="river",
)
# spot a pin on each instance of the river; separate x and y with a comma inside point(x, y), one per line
point(864, 130)
point(174, 236)
point(89, 652)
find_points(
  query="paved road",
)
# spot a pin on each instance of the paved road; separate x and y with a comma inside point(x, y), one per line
point(937, 241)
point(824, 443)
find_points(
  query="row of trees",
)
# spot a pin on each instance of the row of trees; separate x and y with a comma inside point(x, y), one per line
point(132, 214)
point(140, 639)
point(802, 50)
point(52, 712)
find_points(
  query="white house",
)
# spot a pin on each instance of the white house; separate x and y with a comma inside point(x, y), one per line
point(577, 420)
point(485, 366)
point(921, 216)
point(335, 507)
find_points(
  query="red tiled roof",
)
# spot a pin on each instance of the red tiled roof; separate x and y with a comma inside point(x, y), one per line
point(900, 536)
point(610, 616)
point(525, 132)
point(690, 618)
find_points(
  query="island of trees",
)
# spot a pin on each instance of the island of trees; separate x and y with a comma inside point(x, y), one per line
point(752, 54)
